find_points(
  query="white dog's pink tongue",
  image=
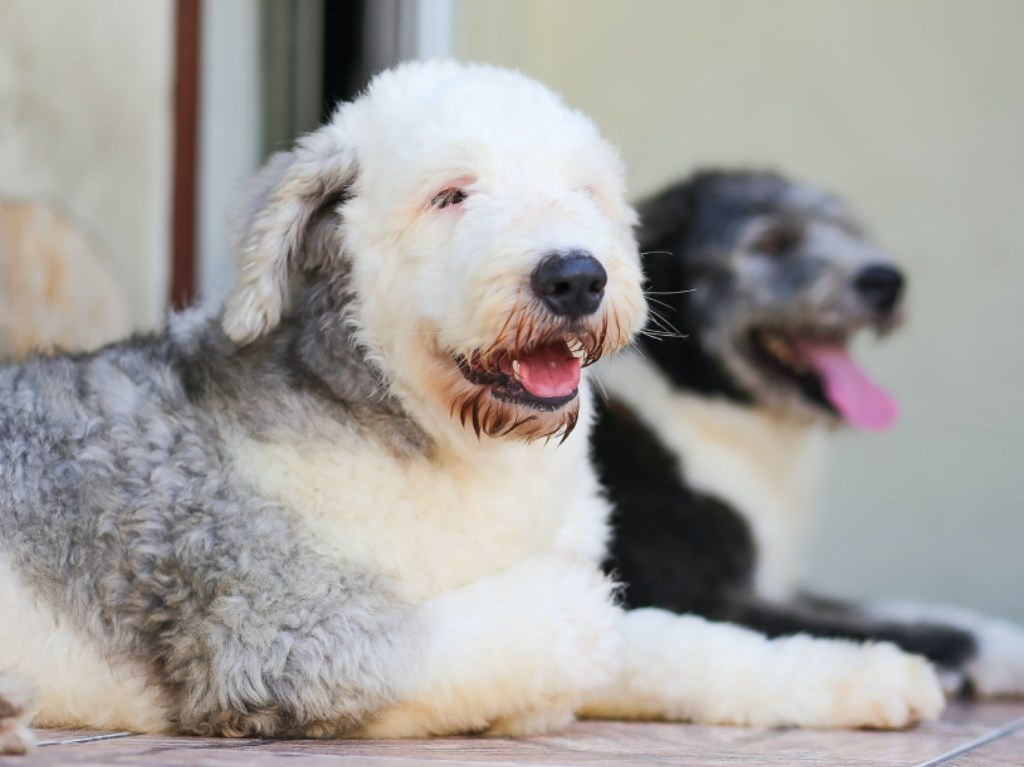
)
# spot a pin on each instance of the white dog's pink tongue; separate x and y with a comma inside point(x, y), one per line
point(549, 371)
point(858, 399)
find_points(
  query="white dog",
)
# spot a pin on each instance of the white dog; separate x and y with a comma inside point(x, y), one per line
point(334, 507)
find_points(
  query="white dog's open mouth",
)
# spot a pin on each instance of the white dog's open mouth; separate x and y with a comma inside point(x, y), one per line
point(544, 377)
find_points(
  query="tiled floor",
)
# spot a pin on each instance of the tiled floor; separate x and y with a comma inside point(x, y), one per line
point(607, 744)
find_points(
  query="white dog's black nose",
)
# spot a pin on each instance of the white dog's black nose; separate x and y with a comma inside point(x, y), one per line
point(570, 284)
point(880, 287)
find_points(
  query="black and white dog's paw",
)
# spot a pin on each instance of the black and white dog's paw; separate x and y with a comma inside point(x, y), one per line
point(997, 671)
point(16, 708)
point(995, 668)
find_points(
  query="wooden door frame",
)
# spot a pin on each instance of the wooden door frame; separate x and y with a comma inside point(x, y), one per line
point(186, 129)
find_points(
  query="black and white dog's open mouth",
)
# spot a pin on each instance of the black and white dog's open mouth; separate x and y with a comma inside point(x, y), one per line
point(824, 370)
point(544, 377)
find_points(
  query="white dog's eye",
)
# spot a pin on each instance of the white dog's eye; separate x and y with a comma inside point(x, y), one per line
point(448, 197)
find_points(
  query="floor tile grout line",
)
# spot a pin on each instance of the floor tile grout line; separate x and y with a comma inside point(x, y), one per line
point(86, 739)
point(993, 735)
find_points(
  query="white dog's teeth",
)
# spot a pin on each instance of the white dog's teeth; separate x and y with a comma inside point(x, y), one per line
point(515, 369)
point(575, 347)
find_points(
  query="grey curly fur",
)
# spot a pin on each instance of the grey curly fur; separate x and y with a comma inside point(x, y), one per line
point(119, 510)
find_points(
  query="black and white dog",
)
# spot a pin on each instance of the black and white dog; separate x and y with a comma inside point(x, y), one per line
point(710, 428)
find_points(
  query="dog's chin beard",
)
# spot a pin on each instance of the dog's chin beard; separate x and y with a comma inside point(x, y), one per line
point(815, 369)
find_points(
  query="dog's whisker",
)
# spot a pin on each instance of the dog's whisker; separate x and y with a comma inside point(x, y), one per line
point(599, 385)
point(658, 326)
point(659, 303)
point(660, 335)
point(661, 320)
point(660, 330)
point(662, 327)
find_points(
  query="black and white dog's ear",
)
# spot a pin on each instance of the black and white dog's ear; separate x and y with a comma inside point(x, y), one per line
point(665, 218)
point(665, 222)
point(288, 223)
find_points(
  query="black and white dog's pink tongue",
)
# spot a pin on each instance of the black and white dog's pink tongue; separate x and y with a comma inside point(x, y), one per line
point(550, 371)
point(858, 399)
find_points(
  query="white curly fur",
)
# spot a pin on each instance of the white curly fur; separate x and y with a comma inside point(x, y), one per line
point(16, 709)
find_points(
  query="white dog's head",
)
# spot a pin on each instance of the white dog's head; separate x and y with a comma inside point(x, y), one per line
point(484, 234)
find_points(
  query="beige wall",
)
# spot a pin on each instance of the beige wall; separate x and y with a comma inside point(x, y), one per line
point(914, 110)
point(85, 123)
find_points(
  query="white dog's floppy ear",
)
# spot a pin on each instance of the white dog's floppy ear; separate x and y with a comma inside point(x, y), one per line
point(286, 225)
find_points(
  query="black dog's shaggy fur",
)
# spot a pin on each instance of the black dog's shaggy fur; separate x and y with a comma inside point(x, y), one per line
point(687, 551)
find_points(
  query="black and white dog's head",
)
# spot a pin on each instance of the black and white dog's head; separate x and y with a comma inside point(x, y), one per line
point(768, 279)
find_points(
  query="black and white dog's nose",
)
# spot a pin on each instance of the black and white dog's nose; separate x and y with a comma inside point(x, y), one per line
point(880, 287)
point(570, 284)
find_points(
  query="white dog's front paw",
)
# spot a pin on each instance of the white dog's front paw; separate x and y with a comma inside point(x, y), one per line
point(884, 688)
point(16, 706)
point(537, 722)
point(512, 654)
point(686, 668)
point(589, 648)
point(568, 625)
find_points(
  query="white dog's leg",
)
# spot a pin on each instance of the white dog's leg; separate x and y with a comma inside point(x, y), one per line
point(687, 668)
point(515, 653)
point(16, 707)
point(997, 669)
